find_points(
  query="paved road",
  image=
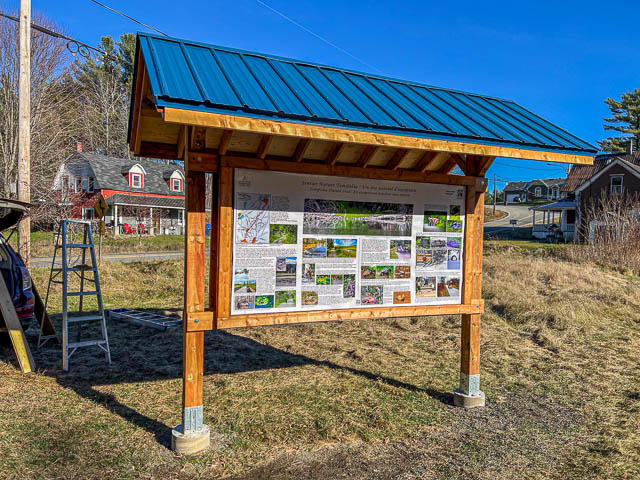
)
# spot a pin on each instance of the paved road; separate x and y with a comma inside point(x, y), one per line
point(117, 257)
point(520, 213)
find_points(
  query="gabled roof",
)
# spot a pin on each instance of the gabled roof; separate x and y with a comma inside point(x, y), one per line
point(630, 165)
point(200, 77)
point(521, 186)
point(109, 173)
point(581, 173)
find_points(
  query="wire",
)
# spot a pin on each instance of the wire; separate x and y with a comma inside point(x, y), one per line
point(528, 168)
point(127, 16)
point(289, 19)
point(73, 45)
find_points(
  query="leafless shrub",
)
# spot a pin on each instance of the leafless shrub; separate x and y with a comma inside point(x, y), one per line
point(611, 233)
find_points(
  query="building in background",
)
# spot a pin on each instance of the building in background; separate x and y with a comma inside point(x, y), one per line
point(534, 191)
point(143, 196)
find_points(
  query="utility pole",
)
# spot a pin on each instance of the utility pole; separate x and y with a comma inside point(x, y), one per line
point(24, 129)
point(495, 194)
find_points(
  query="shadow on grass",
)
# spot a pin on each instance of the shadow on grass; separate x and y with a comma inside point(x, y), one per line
point(141, 354)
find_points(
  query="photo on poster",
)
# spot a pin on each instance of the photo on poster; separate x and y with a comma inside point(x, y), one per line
point(425, 287)
point(435, 221)
point(448, 287)
point(454, 212)
point(402, 297)
point(367, 272)
point(283, 234)
point(401, 271)
point(252, 218)
point(286, 298)
point(244, 302)
point(314, 248)
point(371, 295)
point(336, 279)
point(454, 226)
point(323, 279)
point(400, 249)
point(423, 242)
point(342, 247)
point(453, 259)
point(285, 271)
point(264, 301)
point(309, 273)
point(309, 297)
point(384, 271)
point(454, 242)
point(440, 259)
point(424, 258)
point(349, 286)
point(345, 217)
point(438, 242)
point(242, 283)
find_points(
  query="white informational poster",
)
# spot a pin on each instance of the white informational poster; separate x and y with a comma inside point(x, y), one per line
point(311, 242)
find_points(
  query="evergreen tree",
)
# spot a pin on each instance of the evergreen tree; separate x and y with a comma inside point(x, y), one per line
point(625, 118)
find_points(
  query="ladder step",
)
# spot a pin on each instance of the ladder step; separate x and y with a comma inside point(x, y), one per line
point(84, 318)
point(78, 294)
point(86, 343)
point(75, 269)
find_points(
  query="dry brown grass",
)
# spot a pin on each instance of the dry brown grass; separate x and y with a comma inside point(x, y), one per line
point(490, 217)
point(360, 399)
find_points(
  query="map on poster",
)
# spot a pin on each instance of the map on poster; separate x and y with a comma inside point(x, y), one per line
point(321, 243)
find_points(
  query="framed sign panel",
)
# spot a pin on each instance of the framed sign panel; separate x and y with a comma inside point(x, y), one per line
point(304, 245)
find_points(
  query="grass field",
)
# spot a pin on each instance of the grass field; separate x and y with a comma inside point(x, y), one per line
point(490, 217)
point(358, 399)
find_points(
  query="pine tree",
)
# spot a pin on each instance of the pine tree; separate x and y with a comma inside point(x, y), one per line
point(625, 118)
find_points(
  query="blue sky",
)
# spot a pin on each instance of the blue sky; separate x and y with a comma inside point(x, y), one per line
point(560, 59)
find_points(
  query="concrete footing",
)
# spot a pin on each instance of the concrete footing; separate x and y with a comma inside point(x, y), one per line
point(190, 443)
point(461, 399)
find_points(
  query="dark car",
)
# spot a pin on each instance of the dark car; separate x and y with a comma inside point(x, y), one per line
point(15, 273)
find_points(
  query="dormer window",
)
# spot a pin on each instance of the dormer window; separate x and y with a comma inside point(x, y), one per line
point(136, 180)
point(176, 184)
point(174, 179)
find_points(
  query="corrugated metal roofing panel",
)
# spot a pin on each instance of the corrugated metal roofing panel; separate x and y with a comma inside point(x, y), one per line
point(198, 76)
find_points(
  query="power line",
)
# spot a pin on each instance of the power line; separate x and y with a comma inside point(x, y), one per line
point(73, 45)
point(127, 16)
point(289, 19)
point(528, 168)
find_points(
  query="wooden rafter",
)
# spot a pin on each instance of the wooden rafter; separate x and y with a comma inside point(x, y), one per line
point(301, 149)
point(198, 138)
point(447, 166)
point(263, 148)
point(335, 152)
point(397, 158)
point(422, 165)
point(181, 141)
point(367, 156)
point(484, 166)
point(461, 162)
point(225, 141)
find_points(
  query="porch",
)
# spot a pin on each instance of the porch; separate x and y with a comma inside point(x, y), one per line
point(558, 217)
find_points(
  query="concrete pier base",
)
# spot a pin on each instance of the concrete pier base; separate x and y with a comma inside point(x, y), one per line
point(190, 443)
point(464, 400)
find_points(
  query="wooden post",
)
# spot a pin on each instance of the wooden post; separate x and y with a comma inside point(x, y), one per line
point(24, 130)
point(469, 394)
point(192, 436)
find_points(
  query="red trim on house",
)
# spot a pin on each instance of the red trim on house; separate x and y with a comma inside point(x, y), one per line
point(136, 174)
point(107, 193)
point(171, 180)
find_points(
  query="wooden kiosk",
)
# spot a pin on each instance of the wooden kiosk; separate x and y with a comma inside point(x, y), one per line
point(220, 109)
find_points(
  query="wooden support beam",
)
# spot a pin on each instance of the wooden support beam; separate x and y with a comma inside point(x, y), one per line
point(158, 150)
point(367, 155)
point(422, 165)
point(334, 153)
point(447, 167)
point(225, 238)
point(149, 110)
point(198, 138)
point(461, 162)
point(193, 343)
point(225, 141)
point(263, 148)
point(397, 159)
point(181, 141)
point(485, 163)
point(301, 149)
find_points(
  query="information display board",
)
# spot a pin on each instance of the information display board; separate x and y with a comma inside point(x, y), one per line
point(305, 243)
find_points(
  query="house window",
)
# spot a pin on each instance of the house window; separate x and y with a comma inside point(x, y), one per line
point(538, 192)
point(88, 213)
point(176, 185)
point(616, 184)
point(136, 180)
point(91, 184)
point(78, 184)
point(65, 188)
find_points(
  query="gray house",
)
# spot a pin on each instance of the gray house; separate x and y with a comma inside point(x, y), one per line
point(534, 190)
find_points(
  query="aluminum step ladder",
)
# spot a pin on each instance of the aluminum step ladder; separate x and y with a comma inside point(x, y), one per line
point(73, 260)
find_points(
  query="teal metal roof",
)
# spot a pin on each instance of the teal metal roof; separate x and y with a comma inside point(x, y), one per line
point(209, 78)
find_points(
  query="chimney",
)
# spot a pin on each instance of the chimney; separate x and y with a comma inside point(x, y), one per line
point(79, 147)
